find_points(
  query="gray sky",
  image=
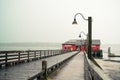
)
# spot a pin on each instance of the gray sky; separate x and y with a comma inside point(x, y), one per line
point(51, 20)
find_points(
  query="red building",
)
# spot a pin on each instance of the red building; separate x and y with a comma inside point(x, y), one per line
point(80, 45)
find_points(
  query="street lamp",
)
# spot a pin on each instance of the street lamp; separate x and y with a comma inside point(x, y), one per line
point(89, 32)
point(81, 33)
point(84, 41)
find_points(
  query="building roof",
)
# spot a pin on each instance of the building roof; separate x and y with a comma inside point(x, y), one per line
point(81, 42)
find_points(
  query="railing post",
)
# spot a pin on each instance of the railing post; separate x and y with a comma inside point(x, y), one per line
point(18, 56)
point(51, 52)
point(28, 55)
point(40, 54)
point(48, 52)
point(54, 52)
point(44, 68)
point(35, 54)
point(6, 59)
point(44, 53)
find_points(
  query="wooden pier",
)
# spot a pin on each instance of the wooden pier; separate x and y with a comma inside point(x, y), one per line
point(26, 70)
point(74, 70)
point(28, 65)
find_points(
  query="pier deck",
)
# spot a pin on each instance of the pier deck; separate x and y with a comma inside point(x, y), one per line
point(26, 70)
point(74, 70)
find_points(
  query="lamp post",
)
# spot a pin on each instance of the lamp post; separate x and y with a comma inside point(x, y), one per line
point(84, 41)
point(89, 32)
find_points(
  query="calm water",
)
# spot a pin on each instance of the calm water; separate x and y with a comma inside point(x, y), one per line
point(29, 46)
point(115, 48)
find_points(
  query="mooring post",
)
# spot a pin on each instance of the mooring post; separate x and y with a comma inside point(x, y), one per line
point(109, 51)
point(44, 68)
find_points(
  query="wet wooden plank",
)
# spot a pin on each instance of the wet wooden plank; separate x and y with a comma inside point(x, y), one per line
point(26, 70)
point(74, 70)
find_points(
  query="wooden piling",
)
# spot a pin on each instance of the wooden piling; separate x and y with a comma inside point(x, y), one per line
point(44, 68)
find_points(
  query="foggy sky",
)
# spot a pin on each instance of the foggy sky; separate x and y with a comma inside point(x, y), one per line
point(51, 20)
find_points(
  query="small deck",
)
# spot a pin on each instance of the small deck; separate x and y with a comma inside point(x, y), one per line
point(74, 70)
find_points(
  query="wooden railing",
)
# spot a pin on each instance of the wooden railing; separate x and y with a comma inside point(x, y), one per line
point(92, 70)
point(8, 58)
point(45, 73)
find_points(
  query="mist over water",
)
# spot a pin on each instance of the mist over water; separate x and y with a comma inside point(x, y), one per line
point(29, 46)
point(115, 48)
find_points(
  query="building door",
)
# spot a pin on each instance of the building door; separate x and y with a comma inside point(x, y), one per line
point(82, 48)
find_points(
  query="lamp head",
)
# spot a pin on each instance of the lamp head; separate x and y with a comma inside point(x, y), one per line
point(74, 22)
point(80, 36)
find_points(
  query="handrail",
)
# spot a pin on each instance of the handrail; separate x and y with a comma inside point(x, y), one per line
point(50, 70)
point(8, 58)
point(93, 71)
